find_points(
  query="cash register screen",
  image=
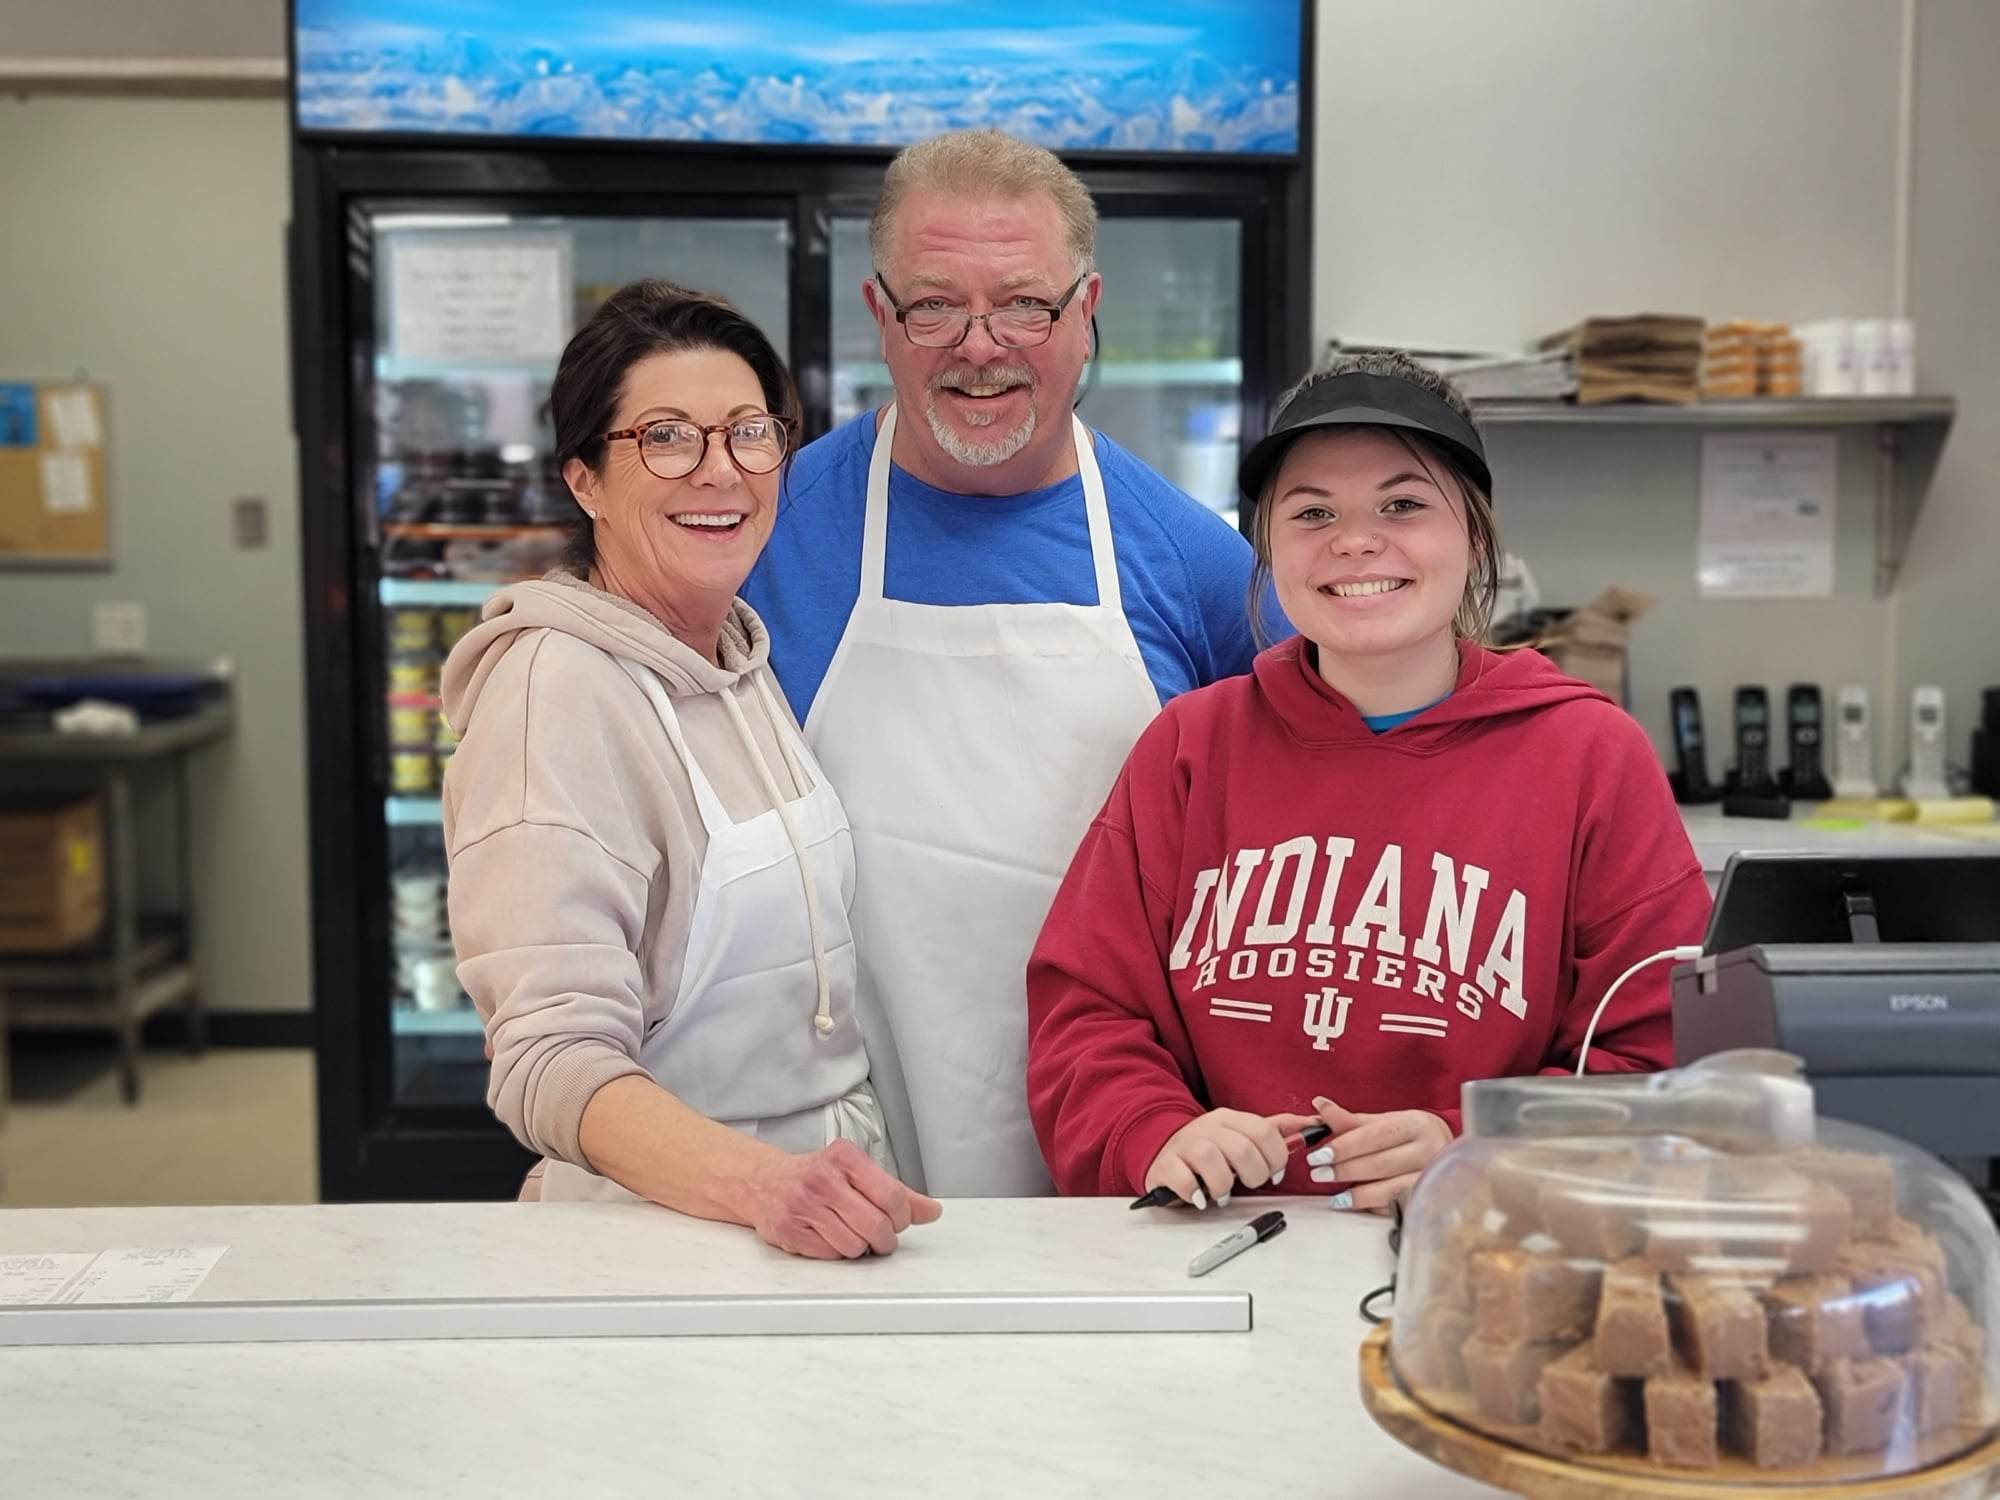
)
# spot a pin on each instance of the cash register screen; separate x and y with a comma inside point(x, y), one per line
point(1799, 898)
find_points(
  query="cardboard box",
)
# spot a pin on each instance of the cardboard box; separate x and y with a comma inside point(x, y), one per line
point(1590, 643)
point(51, 875)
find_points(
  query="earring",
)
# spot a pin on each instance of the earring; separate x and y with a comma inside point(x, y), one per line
point(592, 514)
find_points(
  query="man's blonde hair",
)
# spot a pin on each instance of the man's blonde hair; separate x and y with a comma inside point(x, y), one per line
point(987, 163)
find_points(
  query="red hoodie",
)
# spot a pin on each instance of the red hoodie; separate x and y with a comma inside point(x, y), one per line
point(1276, 903)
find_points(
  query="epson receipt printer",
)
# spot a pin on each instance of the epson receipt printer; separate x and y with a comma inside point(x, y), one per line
point(1881, 970)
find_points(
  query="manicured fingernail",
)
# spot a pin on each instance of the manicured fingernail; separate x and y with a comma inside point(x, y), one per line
point(1200, 1198)
point(1320, 1158)
point(1277, 1177)
point(1325, 1174)
point(1320, 1101)
point(1341, 1200)
point(1223, 1201)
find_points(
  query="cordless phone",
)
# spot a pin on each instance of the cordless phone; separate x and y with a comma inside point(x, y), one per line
point(1690, 781)
point(1803, 776)
point(1926, 779)
point(1753, 793)
point(1753, 739)
point(1854, 746)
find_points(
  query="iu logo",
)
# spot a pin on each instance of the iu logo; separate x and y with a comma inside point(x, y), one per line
point(1326, 1016)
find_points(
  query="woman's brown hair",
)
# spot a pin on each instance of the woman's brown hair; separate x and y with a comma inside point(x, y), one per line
point(639, 320)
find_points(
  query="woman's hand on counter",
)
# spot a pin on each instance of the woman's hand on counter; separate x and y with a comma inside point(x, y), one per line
point(1209, 1155)
point(1380, 1155)
point(835, 1204)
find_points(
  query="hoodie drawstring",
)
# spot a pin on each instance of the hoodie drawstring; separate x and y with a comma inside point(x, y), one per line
point(823, 1012)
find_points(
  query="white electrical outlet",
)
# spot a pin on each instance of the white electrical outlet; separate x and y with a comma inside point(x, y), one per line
point(119, 628)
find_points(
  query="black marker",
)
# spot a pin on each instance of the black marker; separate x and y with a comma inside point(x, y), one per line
point(1161, 1197)
point(1255, 1232)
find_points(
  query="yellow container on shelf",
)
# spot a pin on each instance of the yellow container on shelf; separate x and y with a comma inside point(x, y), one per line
point(412, 773)
point(412, 630)
point(452, 624)
point(410, 721)
point(413, 675)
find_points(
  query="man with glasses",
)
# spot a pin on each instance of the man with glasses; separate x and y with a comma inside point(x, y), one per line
point(975, 605)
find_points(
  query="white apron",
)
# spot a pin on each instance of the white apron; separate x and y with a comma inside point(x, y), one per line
point(754, 1039)
point(972, 745)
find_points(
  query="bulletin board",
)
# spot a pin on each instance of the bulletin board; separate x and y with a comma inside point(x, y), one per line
point(53, 502)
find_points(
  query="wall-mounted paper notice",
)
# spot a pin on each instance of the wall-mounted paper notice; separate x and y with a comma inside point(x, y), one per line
point(1767, 515)
point(474, 299)
point(65, 483)
point(170, 1274)
point(73, 419)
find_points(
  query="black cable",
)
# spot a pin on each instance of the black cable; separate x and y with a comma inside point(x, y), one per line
point(1367, 1309)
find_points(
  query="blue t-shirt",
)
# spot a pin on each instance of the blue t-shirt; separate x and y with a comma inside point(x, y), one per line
point(1383, 723)
point(1183, 571)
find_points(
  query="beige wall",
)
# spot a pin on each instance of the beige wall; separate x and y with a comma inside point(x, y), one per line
point(1488, 173)
point(142, 242)
point(142, 28)
point(1948, 621)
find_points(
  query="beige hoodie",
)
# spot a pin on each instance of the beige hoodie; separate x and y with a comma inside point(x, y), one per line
point(573, 835)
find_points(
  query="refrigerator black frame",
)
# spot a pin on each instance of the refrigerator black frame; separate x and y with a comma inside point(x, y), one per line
point(370, 1148)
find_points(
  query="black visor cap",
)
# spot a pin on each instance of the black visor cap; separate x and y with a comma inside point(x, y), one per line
point(1358, 400)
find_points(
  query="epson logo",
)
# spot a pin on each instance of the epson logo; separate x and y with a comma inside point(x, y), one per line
point(1918, 1002)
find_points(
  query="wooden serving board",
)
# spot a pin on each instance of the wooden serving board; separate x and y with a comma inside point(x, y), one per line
point(1965, 1475)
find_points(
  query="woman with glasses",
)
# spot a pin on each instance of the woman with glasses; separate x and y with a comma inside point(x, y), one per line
point(650, 878)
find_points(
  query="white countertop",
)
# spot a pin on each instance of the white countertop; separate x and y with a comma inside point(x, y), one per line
point(1716, 837)
point(1271, 1412)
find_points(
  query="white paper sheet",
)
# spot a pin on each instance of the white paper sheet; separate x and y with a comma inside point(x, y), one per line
point(65, 483)
point(31, 1280)
point(73, 419)
point(1768, 504)
point(480, 299)
point(156, 1274)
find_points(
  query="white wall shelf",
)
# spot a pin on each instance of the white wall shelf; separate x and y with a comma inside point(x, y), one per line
point(1910, 433)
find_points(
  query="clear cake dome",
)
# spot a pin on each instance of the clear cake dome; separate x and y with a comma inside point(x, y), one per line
point(1688, 1273)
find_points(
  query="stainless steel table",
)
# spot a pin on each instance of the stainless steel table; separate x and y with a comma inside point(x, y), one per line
point(137, 966)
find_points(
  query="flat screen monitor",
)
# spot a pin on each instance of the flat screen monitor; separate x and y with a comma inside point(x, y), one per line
point(1182, 77)
point(1950, 896)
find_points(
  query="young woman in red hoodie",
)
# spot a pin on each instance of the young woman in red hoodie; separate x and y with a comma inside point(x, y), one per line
point(1384, 863)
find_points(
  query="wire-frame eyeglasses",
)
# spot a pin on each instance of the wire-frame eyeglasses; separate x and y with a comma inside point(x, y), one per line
point(1022, 325)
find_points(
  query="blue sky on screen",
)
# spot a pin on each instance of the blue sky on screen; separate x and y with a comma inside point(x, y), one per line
point(1142, 75)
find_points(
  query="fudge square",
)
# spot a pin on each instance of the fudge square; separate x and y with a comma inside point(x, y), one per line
point(1774, 1422)
point(1866, 1180)
point(1432, 1352)
point(1863, 1398)
point(1681, 1420)
point(1585, 1410)
point(1718, 1328)
point(1814, 1320)
point(1631, 1338)
point(1540, 1298)
point(1504, 1374)
point(1898, 1286)
point(1601, 1220)
point(1938, 1379)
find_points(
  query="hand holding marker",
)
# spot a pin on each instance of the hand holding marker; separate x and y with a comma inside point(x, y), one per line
point(1163, 1195)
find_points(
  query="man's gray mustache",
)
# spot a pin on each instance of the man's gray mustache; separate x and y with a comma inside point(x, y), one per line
point(953, 380)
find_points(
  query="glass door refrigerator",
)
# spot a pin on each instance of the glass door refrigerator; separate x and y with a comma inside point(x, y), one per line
point(436, 275)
